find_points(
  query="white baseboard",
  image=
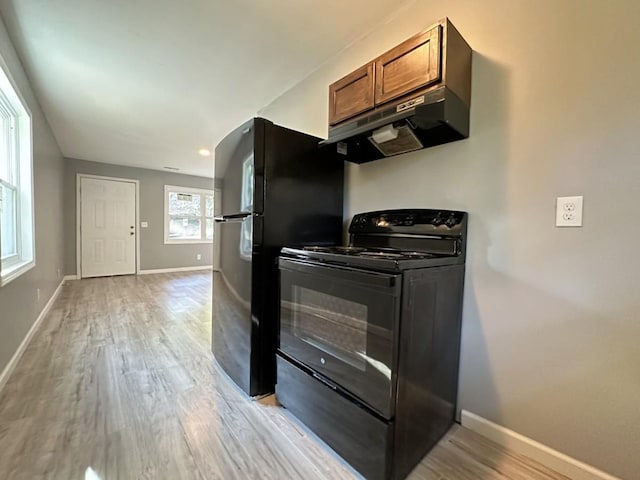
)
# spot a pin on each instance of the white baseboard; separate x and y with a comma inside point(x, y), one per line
point(547, 456)
point(8, 370)
point(70, 277)
point(172, 270)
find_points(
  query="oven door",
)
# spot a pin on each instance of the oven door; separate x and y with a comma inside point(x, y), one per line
point(343, 324)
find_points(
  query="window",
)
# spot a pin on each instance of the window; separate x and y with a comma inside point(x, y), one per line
point(188, 215)
point(17, 252)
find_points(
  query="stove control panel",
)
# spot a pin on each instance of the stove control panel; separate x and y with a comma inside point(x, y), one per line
point(410, 221)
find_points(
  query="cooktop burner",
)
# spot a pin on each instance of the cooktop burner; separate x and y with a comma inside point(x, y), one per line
point(382, 254)
point(335, 249)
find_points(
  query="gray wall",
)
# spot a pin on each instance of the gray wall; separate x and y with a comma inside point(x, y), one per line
point(551, 331)
point(154, 253)
point(18, 305)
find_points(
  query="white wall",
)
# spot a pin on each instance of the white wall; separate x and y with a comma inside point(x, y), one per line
point(551, 337)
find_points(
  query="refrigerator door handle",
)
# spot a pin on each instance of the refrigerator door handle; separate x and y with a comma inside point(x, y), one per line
point(235, 217)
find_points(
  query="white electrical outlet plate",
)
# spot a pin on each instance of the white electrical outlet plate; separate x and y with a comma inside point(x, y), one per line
point(198, 257)
point(144, 224)
point(569, 212)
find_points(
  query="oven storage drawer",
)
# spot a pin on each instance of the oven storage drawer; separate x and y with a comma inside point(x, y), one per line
point(353, 433)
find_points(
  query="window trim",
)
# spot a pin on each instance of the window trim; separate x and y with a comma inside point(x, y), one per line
point(26, 230)
point(15, 258)
point(197, 191)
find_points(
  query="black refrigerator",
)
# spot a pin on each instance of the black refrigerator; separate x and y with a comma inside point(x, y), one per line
point(276, 188)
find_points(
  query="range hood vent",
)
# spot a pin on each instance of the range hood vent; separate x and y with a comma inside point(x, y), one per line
point(432, 118)
point(403, 140)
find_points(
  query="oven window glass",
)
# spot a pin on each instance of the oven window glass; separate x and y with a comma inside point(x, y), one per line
point(331, 324)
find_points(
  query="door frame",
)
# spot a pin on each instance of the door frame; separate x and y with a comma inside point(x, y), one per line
point(79, 177)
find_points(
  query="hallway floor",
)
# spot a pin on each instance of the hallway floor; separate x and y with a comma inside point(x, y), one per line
point(119, 383)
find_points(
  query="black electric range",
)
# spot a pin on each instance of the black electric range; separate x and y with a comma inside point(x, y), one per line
point(369, 336)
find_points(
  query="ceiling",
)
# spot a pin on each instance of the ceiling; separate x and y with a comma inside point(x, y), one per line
point(148, 82)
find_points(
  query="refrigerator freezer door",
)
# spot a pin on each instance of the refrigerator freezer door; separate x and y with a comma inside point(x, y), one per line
point(238, 168)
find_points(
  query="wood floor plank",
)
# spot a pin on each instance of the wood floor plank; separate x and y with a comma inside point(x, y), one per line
point(120, 379)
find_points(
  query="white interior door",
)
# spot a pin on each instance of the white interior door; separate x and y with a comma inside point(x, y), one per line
point(107, 227)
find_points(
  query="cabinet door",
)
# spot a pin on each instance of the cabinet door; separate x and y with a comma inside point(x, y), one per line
point(352, 94)
point(413, 64)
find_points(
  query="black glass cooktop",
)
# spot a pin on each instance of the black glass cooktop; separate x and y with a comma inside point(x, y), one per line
point(367, 252)
point(368, 257)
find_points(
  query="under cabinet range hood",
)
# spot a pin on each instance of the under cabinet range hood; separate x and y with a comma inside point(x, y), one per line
point(432, 118)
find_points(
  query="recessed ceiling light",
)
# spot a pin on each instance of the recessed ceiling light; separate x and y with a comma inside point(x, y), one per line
point(205, 152)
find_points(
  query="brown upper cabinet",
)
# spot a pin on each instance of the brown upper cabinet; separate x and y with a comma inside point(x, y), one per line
point(412, 64)
point(434, 57)
point(352, 94)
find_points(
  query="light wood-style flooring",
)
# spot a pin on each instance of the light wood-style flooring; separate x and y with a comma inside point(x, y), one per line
point(119, 383)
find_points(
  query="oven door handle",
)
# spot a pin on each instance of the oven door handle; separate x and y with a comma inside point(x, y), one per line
point(384, 280)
